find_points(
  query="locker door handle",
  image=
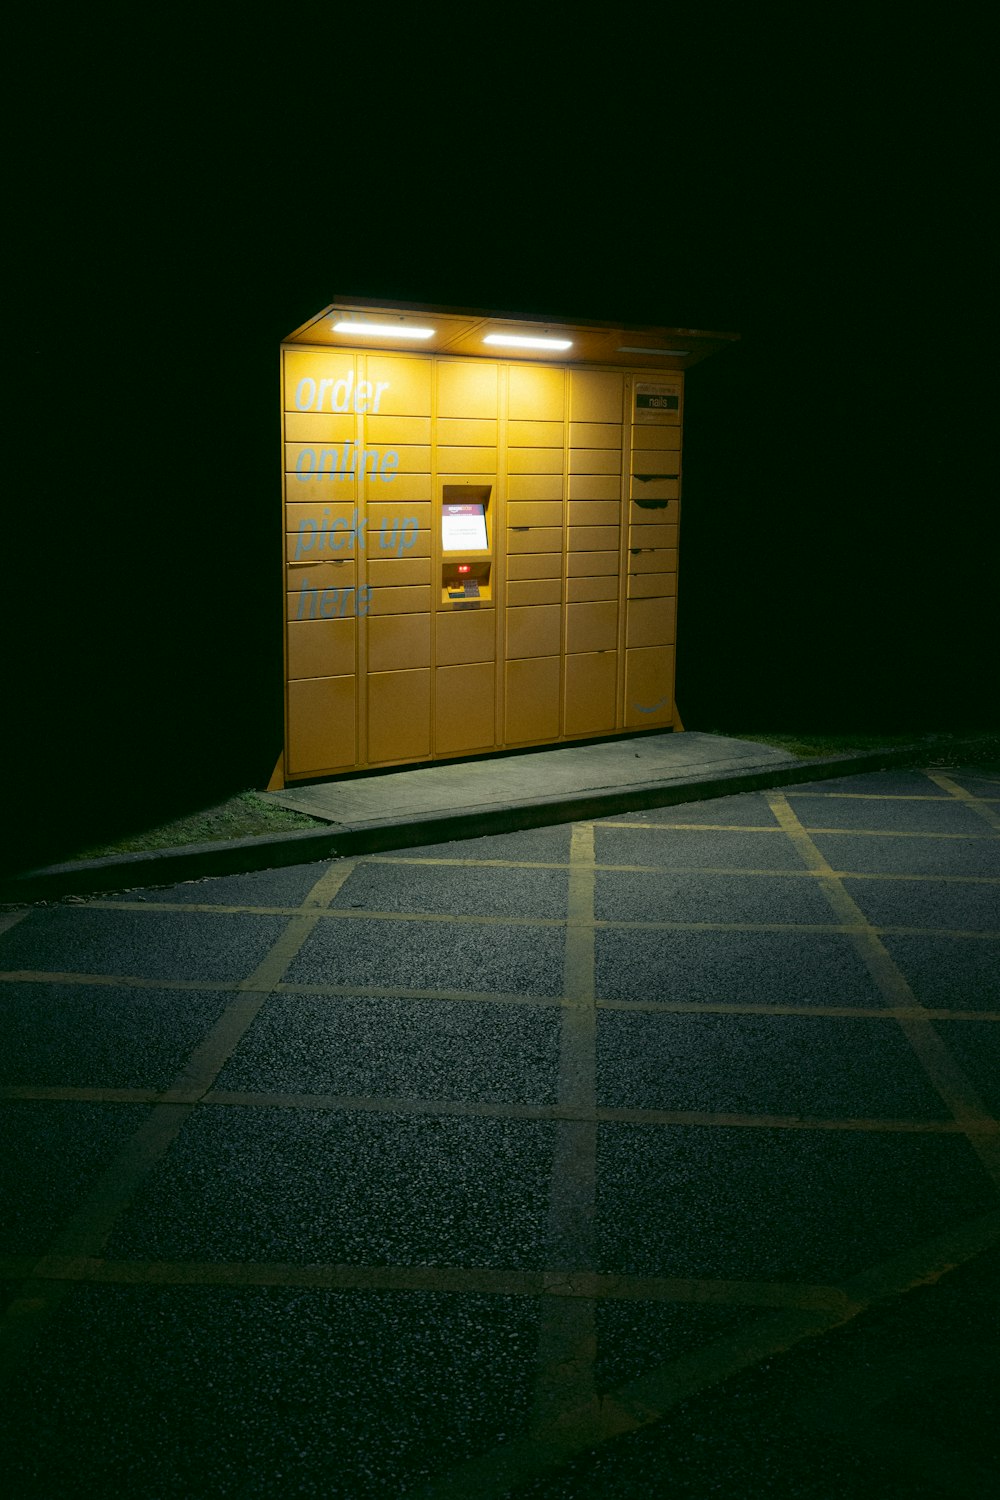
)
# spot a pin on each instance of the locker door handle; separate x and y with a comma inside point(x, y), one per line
point(645, 478)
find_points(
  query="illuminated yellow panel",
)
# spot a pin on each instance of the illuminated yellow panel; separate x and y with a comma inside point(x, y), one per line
point(534, 565)
point(466, 460)
point(399, 573)
point(532, 699)
point(655, 560)
point(303, 545)
point(399, 715)
point(653, 489)
point(649, 686)
point(535, 591)
point(594, 487)
point(533, 631)
point(320, 488)
point(305, 579)
point(320, 648)
point(668, 511)
point(594, 512)
point(312, 427)
point(589, 564)
point(394, 514)
point(464, 708)
point(656, 437)
point(398, 642)
point(590, 692)
point(313, 521)
point(480, 433)
point(465, 636)
point(399, 601)
point(535, 486)
point(595, 396)
point(399, 387)
point(535, 434)
point(467, 389)
point(391, 431)
point(308, 463)
point(321, 724)
point(592, 627)
point(604, 586)
point(397, 538)
point(652, 536)
point(310, 598)
point(650, 585)
point(319, 381)
point(403, 487)
point(595, 461)
point(534, 460)
point(534, 539)
point(595, 434)
point(535, 393)
point(413, 459)
point(651, 622)
point(534, 513)
point(592, 538)
point(656, 461)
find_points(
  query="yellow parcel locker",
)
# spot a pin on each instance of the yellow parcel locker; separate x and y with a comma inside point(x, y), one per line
point(455, 487)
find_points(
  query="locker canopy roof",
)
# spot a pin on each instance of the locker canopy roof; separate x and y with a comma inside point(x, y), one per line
point(455, 330)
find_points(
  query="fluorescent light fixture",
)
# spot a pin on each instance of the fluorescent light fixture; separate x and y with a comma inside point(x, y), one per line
point(387, 330)
point(640, 349)
point(523, 341)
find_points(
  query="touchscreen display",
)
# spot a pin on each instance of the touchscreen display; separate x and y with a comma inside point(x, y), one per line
point(463, 528)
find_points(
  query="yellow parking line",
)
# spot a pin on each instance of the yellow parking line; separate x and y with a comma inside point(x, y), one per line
point(567, 1335)
point(581, 1112)
point(331, 914)
point(979, 805)
point(861, 833)
point(458, 1280)
point(641, 1402)
point(87, 1230)
point(462, 864)
point(376, 992)
point(131, 981)
point(69, 1094)
point(869, 796)
point(941, 1068)
point(833, 1012)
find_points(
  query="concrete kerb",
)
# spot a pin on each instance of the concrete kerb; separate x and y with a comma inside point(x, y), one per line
point(159, 867)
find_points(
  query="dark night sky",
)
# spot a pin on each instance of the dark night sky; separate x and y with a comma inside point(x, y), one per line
point(181, 211)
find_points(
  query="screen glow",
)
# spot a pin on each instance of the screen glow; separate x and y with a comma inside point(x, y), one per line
point(463, 529)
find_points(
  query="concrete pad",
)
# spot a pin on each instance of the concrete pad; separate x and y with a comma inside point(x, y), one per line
point(574, 770)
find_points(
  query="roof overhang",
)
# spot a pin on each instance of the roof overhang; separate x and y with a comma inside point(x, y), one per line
point(462, 331)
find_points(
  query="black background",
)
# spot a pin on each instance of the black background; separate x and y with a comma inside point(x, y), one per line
point(183, 202)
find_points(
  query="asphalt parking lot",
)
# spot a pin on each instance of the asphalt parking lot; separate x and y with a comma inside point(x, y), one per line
point(650, 1155)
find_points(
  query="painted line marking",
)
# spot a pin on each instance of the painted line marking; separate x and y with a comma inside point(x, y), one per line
point(939, 1065)
point(89, 1227)
point(461, 1280)
point(460, 1109)
point(567, 1339)
point(979, 805)
point(641, 1402)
